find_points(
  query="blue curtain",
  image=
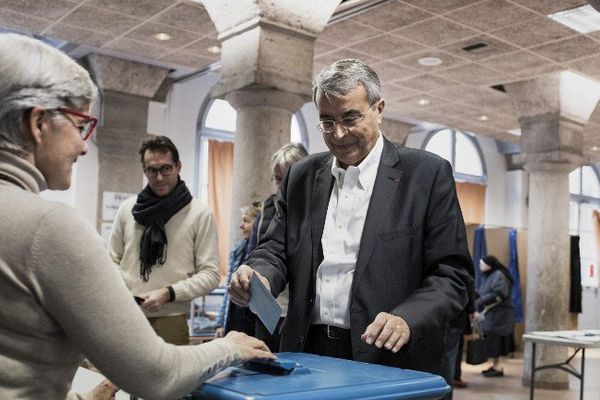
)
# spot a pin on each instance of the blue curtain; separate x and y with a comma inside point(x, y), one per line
point(514, 273)
point(479, 251)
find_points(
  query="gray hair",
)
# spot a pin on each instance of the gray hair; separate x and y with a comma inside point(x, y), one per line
point(287, 155)
point(344, 75)
point(34, 74)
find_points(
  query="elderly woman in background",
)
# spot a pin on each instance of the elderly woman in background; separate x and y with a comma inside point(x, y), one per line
point(496, 312)
point(62, 299)
point(285, 156)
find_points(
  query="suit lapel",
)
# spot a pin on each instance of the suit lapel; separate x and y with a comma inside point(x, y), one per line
point(386, 185)
point(318, 210)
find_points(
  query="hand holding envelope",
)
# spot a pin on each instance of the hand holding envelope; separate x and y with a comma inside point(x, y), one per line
point(249, 289)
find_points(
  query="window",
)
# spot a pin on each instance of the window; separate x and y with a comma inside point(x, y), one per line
point(584, 186)
point(221, 116)
point(463, 153)
point(461, 150)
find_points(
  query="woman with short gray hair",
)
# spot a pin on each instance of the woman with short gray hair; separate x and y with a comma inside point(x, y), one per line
point(62, 298)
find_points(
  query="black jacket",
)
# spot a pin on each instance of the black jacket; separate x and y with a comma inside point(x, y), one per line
point(413, 259)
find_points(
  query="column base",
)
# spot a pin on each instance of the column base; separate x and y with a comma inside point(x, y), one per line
point(564, 385)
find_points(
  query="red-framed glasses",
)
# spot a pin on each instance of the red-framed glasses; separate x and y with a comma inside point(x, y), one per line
point(86, 126)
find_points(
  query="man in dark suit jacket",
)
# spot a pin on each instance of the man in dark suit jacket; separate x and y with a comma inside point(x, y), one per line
point(369, 236)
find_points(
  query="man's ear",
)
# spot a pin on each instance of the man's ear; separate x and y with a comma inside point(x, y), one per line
point(34, 124)
point(380, 108)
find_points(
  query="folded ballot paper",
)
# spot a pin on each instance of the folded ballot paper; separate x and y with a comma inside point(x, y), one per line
point(263, 304)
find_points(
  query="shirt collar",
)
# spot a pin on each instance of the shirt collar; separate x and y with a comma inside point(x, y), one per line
point(367, 169)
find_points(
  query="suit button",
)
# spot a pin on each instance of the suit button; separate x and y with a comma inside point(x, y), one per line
point(301, 339)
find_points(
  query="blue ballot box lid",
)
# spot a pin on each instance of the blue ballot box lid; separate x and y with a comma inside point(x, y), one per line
point(301, 376)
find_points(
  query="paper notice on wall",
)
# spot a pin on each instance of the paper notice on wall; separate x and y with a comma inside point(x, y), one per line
point(111, 202)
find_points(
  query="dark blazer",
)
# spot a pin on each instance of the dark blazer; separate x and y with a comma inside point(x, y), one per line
point(413, 259)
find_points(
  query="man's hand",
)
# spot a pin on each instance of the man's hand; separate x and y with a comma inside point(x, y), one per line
point(388, 331)
point(248, 346)
point(155, 299)
point(239, 286)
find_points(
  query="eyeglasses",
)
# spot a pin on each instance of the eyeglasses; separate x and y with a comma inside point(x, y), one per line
point(328, 125)
point(164, 170)
point(89, 122)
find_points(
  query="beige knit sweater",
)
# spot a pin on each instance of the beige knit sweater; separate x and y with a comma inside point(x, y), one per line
point(61, 299)
point(192, 266)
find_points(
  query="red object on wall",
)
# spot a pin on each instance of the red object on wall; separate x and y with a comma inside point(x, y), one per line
point(591, 270)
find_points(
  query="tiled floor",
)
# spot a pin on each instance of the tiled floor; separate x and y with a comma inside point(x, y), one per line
point(506, 388)
point(509, 387)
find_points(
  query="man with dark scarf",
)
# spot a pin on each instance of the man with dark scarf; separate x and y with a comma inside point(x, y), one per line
point(165, 243)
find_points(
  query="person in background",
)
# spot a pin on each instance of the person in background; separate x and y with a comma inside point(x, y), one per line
point(457, 381)
point(62, 299)
point(453, 345)
point(369, 236)
point(164, 242)
point(231, 316)
point(496, 312)
point(280, 162)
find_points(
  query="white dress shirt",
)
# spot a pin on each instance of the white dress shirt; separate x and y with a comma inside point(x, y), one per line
point(346, 214)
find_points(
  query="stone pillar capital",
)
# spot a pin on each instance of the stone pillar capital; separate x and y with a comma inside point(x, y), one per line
point(564, 93)
point(231, 16)
point(268, 43)
point(551, 163)
point(125, 76)
point(260, 96)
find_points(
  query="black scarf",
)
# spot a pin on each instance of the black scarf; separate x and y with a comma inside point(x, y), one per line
point(154, 212)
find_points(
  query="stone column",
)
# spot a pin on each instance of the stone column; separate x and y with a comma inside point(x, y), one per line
point(395, 131)
point(552, 116)
point(126, 88)
point(266, 73)
point(263, 126)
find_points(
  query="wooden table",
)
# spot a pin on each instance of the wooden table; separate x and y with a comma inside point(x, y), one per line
point(580, 340)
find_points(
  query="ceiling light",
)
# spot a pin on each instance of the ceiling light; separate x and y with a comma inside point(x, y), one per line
point(483, 118)
point(594, 148)
point(583, 19)
point(162, 36)
point(213, 49)
point(423, 102)
point(430, 61)
point(516, 131)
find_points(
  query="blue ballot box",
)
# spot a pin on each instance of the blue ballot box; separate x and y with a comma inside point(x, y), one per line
point(301, 376)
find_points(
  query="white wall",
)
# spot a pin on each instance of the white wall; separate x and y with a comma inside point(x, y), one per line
point(495, 193)
point(316, 143)
point(517, 190)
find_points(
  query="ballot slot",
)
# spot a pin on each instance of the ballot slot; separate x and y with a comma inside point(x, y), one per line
point(275, 367)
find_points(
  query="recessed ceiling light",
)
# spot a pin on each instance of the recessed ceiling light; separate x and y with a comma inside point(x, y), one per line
point(162, 36)
point(595, 148)
point(423, 102)
point(483, 118)
point(214, 49)
point(430, 61)
point(583, 19)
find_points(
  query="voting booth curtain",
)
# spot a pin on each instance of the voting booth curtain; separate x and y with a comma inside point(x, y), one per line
point(220, 185)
